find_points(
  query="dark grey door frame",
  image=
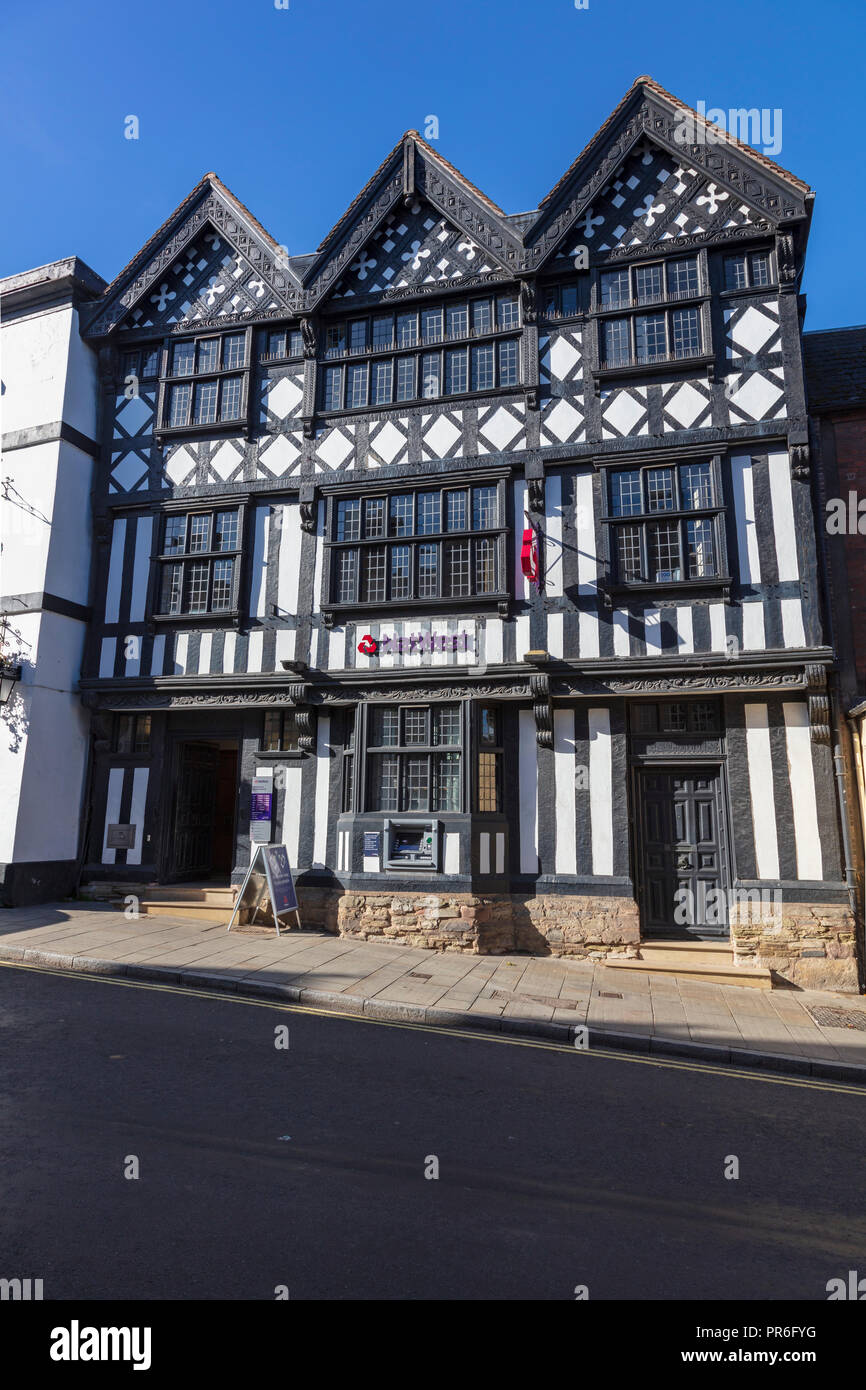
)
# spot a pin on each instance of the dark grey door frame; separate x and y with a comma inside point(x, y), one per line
point(687, 766)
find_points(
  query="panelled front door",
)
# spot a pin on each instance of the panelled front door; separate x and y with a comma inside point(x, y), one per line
point(195, 808)
point(681, 852)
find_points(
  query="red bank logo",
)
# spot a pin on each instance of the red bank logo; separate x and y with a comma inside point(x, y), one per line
point(416, 644)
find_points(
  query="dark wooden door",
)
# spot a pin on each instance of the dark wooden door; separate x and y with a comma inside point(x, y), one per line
point(195, 808)
point(224, 812)
point(682, 866)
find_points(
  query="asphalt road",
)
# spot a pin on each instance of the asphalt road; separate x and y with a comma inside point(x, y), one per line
point(261, 1167)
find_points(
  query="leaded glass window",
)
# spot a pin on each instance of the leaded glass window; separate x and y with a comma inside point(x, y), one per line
point(686, 546)
point(198, 562)
point(199, 402)
point(414, 758)
point(433, 543)
point(435, 369)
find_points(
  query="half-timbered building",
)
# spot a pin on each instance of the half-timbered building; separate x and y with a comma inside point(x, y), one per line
point(482, 545)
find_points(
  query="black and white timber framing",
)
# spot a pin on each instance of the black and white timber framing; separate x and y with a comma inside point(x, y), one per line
point(567, 662)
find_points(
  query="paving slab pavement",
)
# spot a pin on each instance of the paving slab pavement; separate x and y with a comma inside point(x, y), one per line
point(548, 997)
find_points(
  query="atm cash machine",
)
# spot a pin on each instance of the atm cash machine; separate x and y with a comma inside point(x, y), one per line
point(412, 844)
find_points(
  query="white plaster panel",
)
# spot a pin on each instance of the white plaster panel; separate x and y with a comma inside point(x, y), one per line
point(564, 769)
point(528, 792)
point(807, 835)
point(760, 764)
point(323, 781)
point(601, 791)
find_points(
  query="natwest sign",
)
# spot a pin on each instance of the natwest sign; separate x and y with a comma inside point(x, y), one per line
point(416, 644)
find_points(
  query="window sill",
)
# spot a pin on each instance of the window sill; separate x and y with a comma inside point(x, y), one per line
point(704, 359)
point(230, 618)
point(174, 432)
point(340, 357)
point(386, 609)
point(719, 586)
point(206, 374)
point(561, 320)
point(749, 290)
point(328, 418)
point(650, 306)
point(706, 513)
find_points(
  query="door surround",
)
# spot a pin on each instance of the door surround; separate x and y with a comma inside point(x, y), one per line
point(169, 870)
point(686, 768)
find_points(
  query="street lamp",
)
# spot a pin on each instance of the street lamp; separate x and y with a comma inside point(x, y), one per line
point(8, 677)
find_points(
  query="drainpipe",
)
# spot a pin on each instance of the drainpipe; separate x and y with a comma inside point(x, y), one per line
point(855, 728)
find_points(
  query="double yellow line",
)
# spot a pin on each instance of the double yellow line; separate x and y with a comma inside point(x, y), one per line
point(717, 1070)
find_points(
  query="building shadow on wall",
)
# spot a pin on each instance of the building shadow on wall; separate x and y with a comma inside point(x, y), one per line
point(528, 940)
point(15, 716)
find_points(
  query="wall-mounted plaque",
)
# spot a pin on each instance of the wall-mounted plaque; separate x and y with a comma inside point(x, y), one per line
point(120, 837)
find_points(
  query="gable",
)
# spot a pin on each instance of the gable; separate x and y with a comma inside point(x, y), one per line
point(413, 246)
point(209, 279)
point(654, 148)
point(206, 263)
point(417, 222)
point(652, 198)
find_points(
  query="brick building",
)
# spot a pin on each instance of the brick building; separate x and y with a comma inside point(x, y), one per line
point(835, 362)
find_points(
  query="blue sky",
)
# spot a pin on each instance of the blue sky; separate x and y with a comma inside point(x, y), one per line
point(294, 108)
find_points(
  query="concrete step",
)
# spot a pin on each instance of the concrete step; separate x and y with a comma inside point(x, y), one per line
point(747, 976)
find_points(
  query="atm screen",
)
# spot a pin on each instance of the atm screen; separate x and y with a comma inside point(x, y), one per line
point(409, 844)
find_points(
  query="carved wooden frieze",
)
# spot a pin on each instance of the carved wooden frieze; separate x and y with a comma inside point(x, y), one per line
point(361, 231)
point(288, 694)
point(746, 680)
point(346, 694)
point(486, 228)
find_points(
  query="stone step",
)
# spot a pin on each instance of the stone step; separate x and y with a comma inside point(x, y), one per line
point(719, 947)
point(712, 953)
point(748, 976)
point(218, 895)
point(109, 890)
point(195, 911)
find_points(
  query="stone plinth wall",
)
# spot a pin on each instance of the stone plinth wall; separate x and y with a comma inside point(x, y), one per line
point(555, 924)
point(807, 944)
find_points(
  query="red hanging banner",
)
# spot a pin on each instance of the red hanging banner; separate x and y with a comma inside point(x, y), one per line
point(529, 555)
